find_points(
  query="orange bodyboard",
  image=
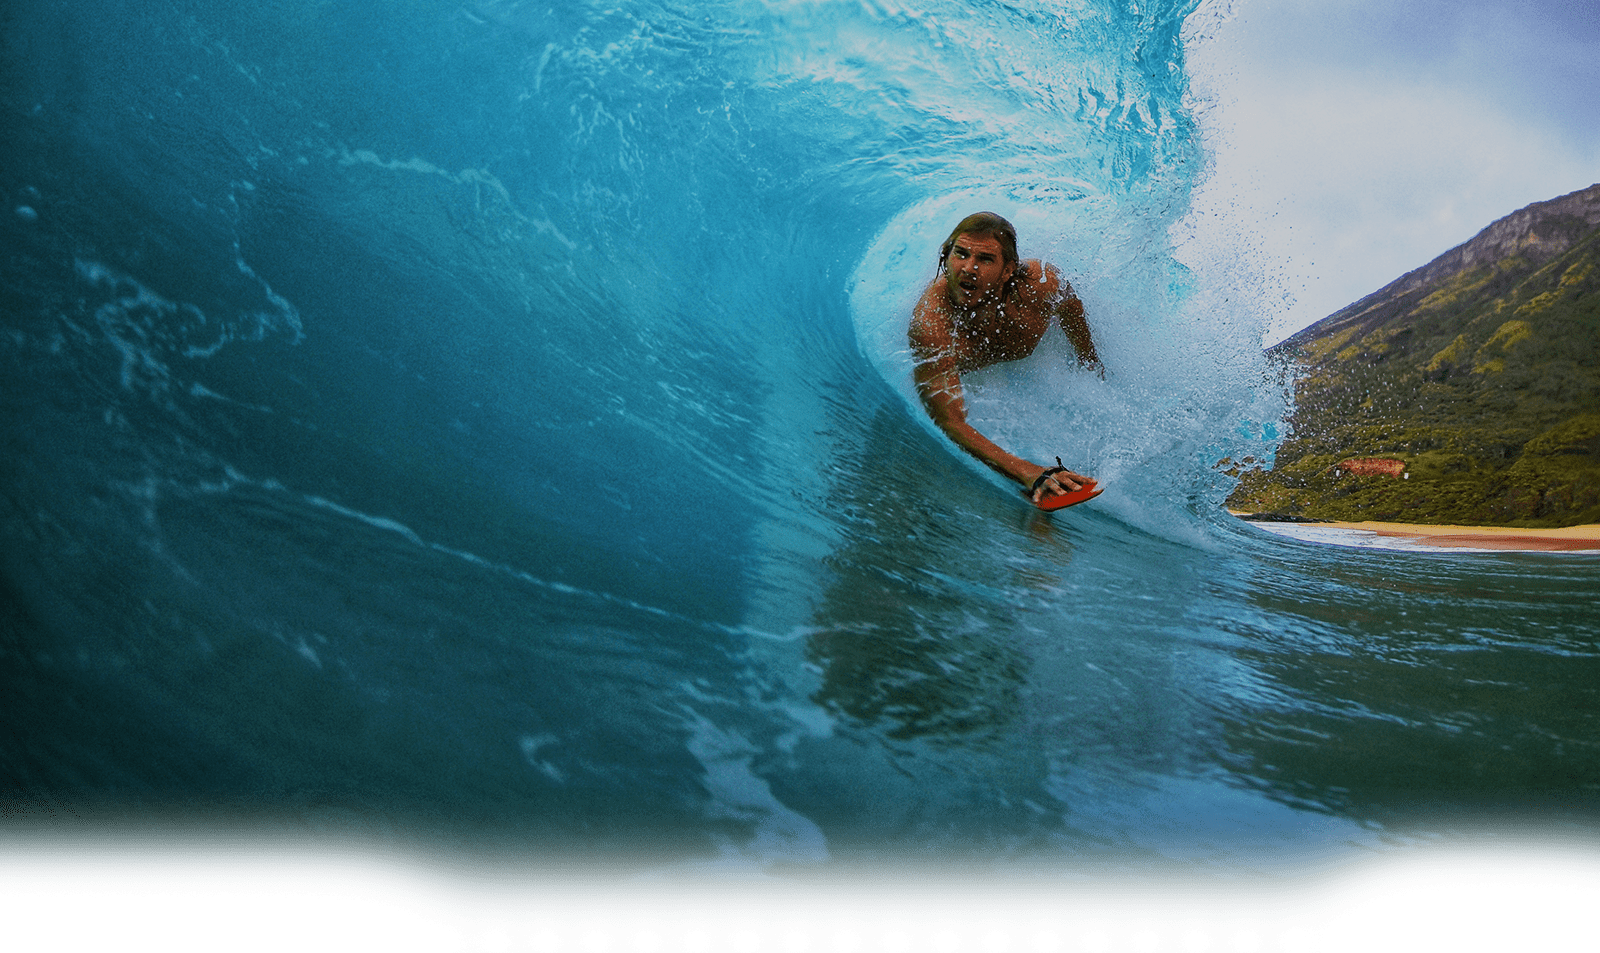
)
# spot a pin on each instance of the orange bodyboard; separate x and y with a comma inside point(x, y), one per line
point(1061, 501)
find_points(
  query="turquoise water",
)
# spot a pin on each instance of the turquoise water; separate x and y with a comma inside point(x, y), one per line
point(490, 423)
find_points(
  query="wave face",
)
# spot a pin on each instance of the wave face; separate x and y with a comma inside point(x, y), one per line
point(493, 419)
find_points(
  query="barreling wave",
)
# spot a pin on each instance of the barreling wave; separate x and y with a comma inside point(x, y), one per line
point(498, 413)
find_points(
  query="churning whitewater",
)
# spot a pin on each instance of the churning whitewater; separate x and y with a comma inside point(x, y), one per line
point(492, 422)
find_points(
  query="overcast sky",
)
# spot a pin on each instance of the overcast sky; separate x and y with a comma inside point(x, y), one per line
point(1358, 139)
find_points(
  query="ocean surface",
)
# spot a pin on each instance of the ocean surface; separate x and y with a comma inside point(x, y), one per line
point(488, 424)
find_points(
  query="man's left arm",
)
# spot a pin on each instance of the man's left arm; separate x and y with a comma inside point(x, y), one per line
point(1069, 311)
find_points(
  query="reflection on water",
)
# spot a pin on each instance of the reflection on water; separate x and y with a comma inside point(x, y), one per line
point(897, 638)
point(1426, 690)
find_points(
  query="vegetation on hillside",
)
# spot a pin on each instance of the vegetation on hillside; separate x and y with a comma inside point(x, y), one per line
point(1484, 380)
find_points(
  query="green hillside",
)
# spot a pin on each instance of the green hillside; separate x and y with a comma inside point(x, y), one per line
point(1479, 372)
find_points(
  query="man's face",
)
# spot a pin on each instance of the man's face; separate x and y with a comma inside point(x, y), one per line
point(976, 269)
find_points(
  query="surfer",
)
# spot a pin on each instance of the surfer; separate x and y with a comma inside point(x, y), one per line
point(983, 307)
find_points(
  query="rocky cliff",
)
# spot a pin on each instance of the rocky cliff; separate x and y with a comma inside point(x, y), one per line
point(1466, 391)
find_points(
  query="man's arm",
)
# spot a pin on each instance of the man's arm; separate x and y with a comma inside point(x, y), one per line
point(1069, 311)
point(938, 383)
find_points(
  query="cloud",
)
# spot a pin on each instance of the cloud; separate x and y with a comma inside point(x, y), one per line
point(1359, 141)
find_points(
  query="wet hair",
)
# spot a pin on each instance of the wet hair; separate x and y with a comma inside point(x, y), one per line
point(987, 224)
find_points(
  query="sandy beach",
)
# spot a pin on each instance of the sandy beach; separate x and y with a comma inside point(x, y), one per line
point(1566, 539)
point(1513, 538)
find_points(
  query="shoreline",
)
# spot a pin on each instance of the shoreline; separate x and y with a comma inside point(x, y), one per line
point(1584, 538)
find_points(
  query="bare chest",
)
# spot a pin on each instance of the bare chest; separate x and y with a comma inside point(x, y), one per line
point(984, 339)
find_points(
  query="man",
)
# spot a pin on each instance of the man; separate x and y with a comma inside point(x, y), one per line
point(983, 307)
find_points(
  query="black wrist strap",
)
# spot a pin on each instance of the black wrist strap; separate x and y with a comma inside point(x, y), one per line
point(1058, 468)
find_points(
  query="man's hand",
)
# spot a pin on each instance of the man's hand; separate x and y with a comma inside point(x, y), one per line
point(1056, 481)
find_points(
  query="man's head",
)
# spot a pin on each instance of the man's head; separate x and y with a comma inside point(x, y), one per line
point(979, 259)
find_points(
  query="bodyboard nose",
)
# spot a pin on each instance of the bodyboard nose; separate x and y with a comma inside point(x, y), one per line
point(1063, 500)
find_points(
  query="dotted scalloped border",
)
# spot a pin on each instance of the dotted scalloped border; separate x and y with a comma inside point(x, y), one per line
point(892, 941)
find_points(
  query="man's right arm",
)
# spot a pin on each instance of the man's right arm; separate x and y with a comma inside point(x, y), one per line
point(938, 381)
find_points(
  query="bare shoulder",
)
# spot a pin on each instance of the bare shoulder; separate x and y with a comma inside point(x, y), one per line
point(1043, 282)
point(932, 326)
